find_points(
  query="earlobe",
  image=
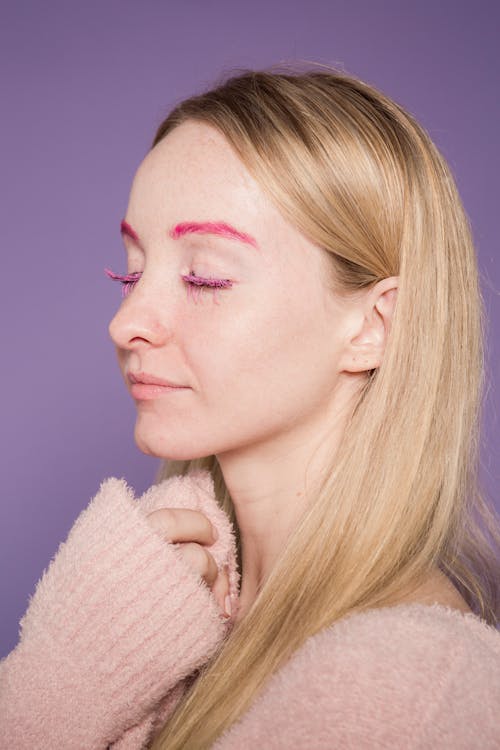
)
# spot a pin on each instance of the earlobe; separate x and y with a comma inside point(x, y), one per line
point(366, 348)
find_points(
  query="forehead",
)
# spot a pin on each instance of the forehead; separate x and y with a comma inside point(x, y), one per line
point(192, 170)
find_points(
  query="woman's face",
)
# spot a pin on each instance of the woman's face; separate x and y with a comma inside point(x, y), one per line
point(260, 357)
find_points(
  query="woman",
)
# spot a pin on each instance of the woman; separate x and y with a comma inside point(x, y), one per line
point(302, 335)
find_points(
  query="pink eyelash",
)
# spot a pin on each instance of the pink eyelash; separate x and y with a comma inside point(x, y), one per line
point(196, 283)
point(128, 280)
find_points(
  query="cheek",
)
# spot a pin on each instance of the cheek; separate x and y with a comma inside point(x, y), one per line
point(268, 346)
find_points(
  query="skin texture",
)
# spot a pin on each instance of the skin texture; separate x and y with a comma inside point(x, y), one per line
point(273, 363)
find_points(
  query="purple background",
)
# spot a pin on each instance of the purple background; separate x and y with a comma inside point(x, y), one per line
point(84, 85)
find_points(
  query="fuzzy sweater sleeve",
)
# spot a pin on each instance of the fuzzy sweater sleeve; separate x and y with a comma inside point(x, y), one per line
point(117, 623)
point(410, 677)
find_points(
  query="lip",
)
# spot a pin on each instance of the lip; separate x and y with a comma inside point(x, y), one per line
point(144, 378)
point(145, 392)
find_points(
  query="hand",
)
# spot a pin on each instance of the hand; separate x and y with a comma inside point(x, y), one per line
point(192, 533)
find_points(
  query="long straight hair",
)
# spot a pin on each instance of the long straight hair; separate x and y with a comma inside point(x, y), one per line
point(360, 178)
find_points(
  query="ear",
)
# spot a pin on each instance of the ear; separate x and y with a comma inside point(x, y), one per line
point(366, 341)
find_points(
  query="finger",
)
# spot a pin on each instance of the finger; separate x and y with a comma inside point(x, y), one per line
point(199, 560)
point(220, 589)
point(182, 525)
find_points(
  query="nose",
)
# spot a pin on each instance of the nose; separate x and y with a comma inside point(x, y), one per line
point(137, 324)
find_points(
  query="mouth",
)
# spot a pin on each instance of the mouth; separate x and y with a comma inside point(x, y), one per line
point(144, 386)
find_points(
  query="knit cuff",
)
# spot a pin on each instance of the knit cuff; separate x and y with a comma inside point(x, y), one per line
point(116, 620)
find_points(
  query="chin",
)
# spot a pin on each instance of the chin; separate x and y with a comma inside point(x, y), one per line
point(159, 448)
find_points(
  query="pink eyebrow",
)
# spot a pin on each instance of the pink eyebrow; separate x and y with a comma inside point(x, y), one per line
point(220, 228)
point(125, 228)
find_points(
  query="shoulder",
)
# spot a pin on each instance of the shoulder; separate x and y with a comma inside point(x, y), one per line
point(408, 647)
point(395, 637)
point(407, 676)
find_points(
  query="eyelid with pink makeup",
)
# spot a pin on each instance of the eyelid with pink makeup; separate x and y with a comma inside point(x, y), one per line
point(195, 283)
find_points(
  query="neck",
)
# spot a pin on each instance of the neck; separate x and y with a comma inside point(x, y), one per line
point(271, 485)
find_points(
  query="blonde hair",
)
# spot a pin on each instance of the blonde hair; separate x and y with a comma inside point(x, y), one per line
point(358, 176)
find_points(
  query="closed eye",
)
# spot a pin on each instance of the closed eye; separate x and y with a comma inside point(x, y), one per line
point(128, 280)
point(198, 283)
point(195, 283)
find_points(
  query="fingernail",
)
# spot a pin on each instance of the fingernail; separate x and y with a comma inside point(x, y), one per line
point(227, 605)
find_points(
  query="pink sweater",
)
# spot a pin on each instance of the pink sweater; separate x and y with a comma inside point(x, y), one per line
point(118, 622)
